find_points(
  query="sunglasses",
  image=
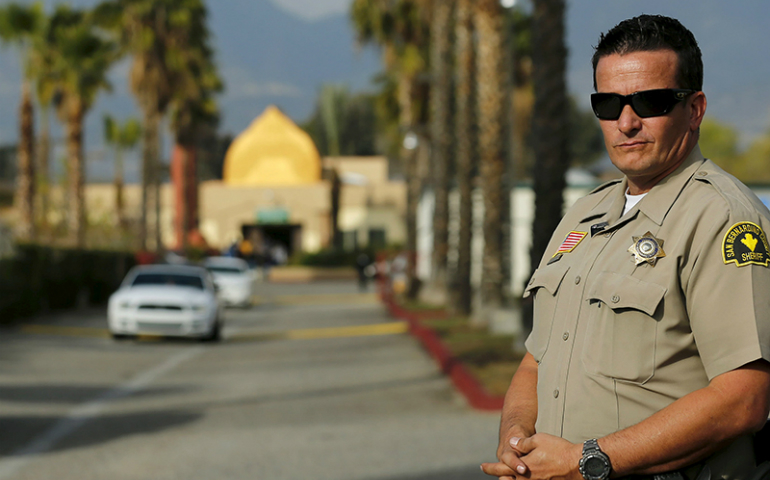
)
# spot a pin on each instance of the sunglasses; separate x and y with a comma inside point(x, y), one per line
point(649, 103)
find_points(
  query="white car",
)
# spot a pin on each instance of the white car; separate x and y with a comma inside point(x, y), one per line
point(169, 300)
point(234, 279)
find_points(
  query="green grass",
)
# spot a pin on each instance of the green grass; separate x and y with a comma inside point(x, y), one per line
point(418, 306)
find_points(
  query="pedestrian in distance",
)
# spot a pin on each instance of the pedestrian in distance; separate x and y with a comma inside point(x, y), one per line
point(649, 352)
point(362, 264)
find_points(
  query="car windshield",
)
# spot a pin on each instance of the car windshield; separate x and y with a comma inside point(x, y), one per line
point(225, 270)
point(168, 279)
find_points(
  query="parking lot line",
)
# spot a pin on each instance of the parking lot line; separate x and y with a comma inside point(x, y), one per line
point(389, 328)
point(318, 299)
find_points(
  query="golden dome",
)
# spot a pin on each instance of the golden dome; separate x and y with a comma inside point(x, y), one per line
point(272, 152)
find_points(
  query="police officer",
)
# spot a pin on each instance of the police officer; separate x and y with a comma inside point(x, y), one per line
point(651, 339)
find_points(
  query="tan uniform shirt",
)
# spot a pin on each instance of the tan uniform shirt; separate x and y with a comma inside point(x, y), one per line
point(652, 306)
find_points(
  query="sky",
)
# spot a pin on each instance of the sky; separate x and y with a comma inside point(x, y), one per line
point(313, 9)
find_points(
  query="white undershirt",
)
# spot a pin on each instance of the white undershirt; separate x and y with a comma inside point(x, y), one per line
point(631, 201)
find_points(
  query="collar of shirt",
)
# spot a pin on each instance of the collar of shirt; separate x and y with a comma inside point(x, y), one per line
point(658, 201)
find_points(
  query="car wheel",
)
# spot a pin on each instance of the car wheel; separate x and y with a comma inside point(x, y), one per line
point(119, 336)
point(216, 333)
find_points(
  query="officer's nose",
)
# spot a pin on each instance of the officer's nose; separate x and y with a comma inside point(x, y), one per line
point(629, 121)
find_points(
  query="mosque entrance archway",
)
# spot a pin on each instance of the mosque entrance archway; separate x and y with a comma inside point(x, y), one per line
point(276, 242)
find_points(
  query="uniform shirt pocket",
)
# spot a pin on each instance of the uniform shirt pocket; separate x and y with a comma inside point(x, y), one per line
point(544, 285)
point(622, 327)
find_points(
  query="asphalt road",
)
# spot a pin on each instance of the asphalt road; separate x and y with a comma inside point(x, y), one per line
point(316, 381)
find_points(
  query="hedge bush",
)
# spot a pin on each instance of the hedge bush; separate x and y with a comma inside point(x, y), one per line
point(40, 277)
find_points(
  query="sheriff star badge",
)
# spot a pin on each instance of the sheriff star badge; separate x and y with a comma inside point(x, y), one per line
point(647, 249)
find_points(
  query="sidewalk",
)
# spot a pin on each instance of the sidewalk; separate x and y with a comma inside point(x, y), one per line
point(468, 385)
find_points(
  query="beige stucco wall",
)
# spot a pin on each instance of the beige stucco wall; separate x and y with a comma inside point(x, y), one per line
point(224, 209)
point(373, 169)
point(100, 206)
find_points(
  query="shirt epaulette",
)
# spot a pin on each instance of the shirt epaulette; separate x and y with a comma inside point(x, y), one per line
point(737, 196)
point(605, 185)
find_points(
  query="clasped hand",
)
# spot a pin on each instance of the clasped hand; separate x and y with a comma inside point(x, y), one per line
point(539, 457)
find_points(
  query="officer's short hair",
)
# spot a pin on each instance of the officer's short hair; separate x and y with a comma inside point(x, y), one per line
point(647, 33)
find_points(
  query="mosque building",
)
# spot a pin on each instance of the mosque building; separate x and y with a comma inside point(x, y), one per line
point(277, 190)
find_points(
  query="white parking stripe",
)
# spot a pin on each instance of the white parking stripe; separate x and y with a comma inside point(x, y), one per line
point(81, 414)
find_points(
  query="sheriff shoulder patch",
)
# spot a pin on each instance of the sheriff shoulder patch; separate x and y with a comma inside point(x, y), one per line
point(745, 244)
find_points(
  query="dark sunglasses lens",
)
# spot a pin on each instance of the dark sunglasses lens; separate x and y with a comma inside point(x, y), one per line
point(606, 105)
point(653, 103)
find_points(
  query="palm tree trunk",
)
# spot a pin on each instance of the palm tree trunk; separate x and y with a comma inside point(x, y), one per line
point(414, 182)
point(25, 178)
point(43, 161)
point(492, 101)
point(549, 128)
point(179, 162)
point(335, 193)
point(76, 184)
point(150, 149)
point(156, 178)
point(193, 217)
point(440, 108)
point(464, 135)
point(120, 213)
point(185, 191)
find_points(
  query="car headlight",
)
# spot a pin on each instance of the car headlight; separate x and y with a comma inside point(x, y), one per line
point(124, 305)
point(198, 308)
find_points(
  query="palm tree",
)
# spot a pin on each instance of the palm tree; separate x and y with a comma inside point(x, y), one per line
point(195, 81)
point(46, 92)
point(550, 126)
point(189, 117)
point(464, 128)
point(492, 114)
point(520, 32)
point(122, 137)
point(441, 138)
point(401, 28)
point(143, 28)
point(80, 60)
point(19, 25)
point(168, 42)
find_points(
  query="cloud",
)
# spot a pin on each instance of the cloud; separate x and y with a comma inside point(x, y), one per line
point(267, 89)
point(252, 89)
point(313, 9)
point(240, 84)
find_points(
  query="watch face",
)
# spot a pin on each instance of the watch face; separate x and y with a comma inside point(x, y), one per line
point(594, 466)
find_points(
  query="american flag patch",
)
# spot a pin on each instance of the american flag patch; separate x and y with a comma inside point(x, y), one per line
point(569, 243)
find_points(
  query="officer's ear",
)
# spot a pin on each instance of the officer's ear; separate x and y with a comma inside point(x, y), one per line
point(697, 104)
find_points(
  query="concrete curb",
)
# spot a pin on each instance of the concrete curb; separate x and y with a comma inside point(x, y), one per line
point(462, 379)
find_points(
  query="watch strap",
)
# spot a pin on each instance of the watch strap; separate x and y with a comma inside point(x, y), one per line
point(591, 446)
point(591, 450)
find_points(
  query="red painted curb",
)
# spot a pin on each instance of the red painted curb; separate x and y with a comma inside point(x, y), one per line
point(462, 379)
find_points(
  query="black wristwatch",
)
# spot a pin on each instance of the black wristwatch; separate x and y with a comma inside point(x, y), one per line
point(595, 464)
